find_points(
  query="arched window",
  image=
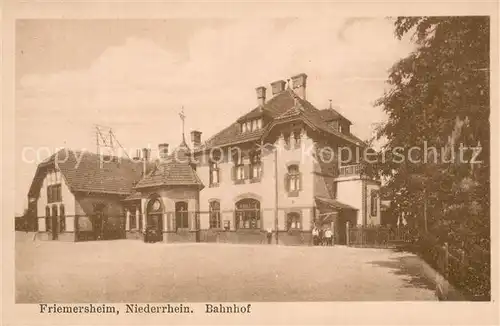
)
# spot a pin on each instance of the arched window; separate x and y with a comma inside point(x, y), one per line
point(214, 214)
point(48, 225)
point(293, 221)
point(293, 180)
point(248, 214)
point(62, 219)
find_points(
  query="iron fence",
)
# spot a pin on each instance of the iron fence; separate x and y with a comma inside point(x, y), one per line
point(378, 236)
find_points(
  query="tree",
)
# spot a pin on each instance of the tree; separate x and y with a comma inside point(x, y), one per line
point(439, 97)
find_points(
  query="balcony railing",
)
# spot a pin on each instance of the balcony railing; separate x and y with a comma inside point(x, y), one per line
point(349, 170)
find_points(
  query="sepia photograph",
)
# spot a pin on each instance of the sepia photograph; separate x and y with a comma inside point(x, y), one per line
point(204, 165)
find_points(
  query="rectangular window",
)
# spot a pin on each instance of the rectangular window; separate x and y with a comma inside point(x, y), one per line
point(214, 174)
point(54, 194)
point(248, 215)
point(287, 141)
point(255, 166)
point(294, 221)
point(181, 215)
point(240, 172)
point(293, 180)
point(259, 123)
point(297, 138)
point(238, 168)
point(214, 218)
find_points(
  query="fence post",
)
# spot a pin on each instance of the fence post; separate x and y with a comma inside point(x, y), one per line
point(446, 259)
point(463, 265)
point(347, 233)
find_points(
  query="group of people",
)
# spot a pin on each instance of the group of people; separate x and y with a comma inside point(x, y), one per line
point(322, 236)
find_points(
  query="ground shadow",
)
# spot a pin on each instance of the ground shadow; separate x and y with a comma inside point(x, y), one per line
point(411, 268)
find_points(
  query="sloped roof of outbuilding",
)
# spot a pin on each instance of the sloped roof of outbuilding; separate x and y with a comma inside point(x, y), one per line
point(175, 170)
point(91, 172)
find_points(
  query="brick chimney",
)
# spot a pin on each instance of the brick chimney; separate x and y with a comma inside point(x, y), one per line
point(299, 85)
point(137, 156)
point(278, 86)
point(261, 95)
point(146, 153)
point(163, 151)
point(196, 138)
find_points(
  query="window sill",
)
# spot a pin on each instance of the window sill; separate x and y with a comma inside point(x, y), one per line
point(293, 193)
point(239, 182)
point(213, 185)
point(255, 180)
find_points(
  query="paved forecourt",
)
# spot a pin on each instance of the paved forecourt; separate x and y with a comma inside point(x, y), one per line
point(132, 271)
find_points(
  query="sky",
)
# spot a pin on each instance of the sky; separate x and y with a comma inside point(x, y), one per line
point(134, 76)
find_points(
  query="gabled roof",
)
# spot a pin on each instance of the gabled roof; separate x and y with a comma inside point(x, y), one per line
point(232, 134)
point(90, 172)
point(175, 170)
point(305, 110)
point(283, 106)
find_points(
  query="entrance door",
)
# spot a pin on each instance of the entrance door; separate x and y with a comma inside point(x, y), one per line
point(99, 222)
point(154, 221)
point(55, 229)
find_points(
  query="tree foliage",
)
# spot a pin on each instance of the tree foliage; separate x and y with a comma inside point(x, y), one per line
point(439, 96)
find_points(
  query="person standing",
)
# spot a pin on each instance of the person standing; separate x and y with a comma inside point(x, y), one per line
point(329, 237)
point(315, 236)
point(321, 237)
point(269, 235)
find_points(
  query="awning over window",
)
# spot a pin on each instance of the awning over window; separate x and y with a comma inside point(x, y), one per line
point(333, 203)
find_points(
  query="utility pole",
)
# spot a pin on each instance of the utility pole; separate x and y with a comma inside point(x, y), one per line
point(276, 192)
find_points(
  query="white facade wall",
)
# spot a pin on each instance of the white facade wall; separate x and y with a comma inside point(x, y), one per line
point(68, 200)
point(228, 193)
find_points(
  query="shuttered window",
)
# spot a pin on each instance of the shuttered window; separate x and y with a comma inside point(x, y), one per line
point(238, 172)
point(255, 166)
